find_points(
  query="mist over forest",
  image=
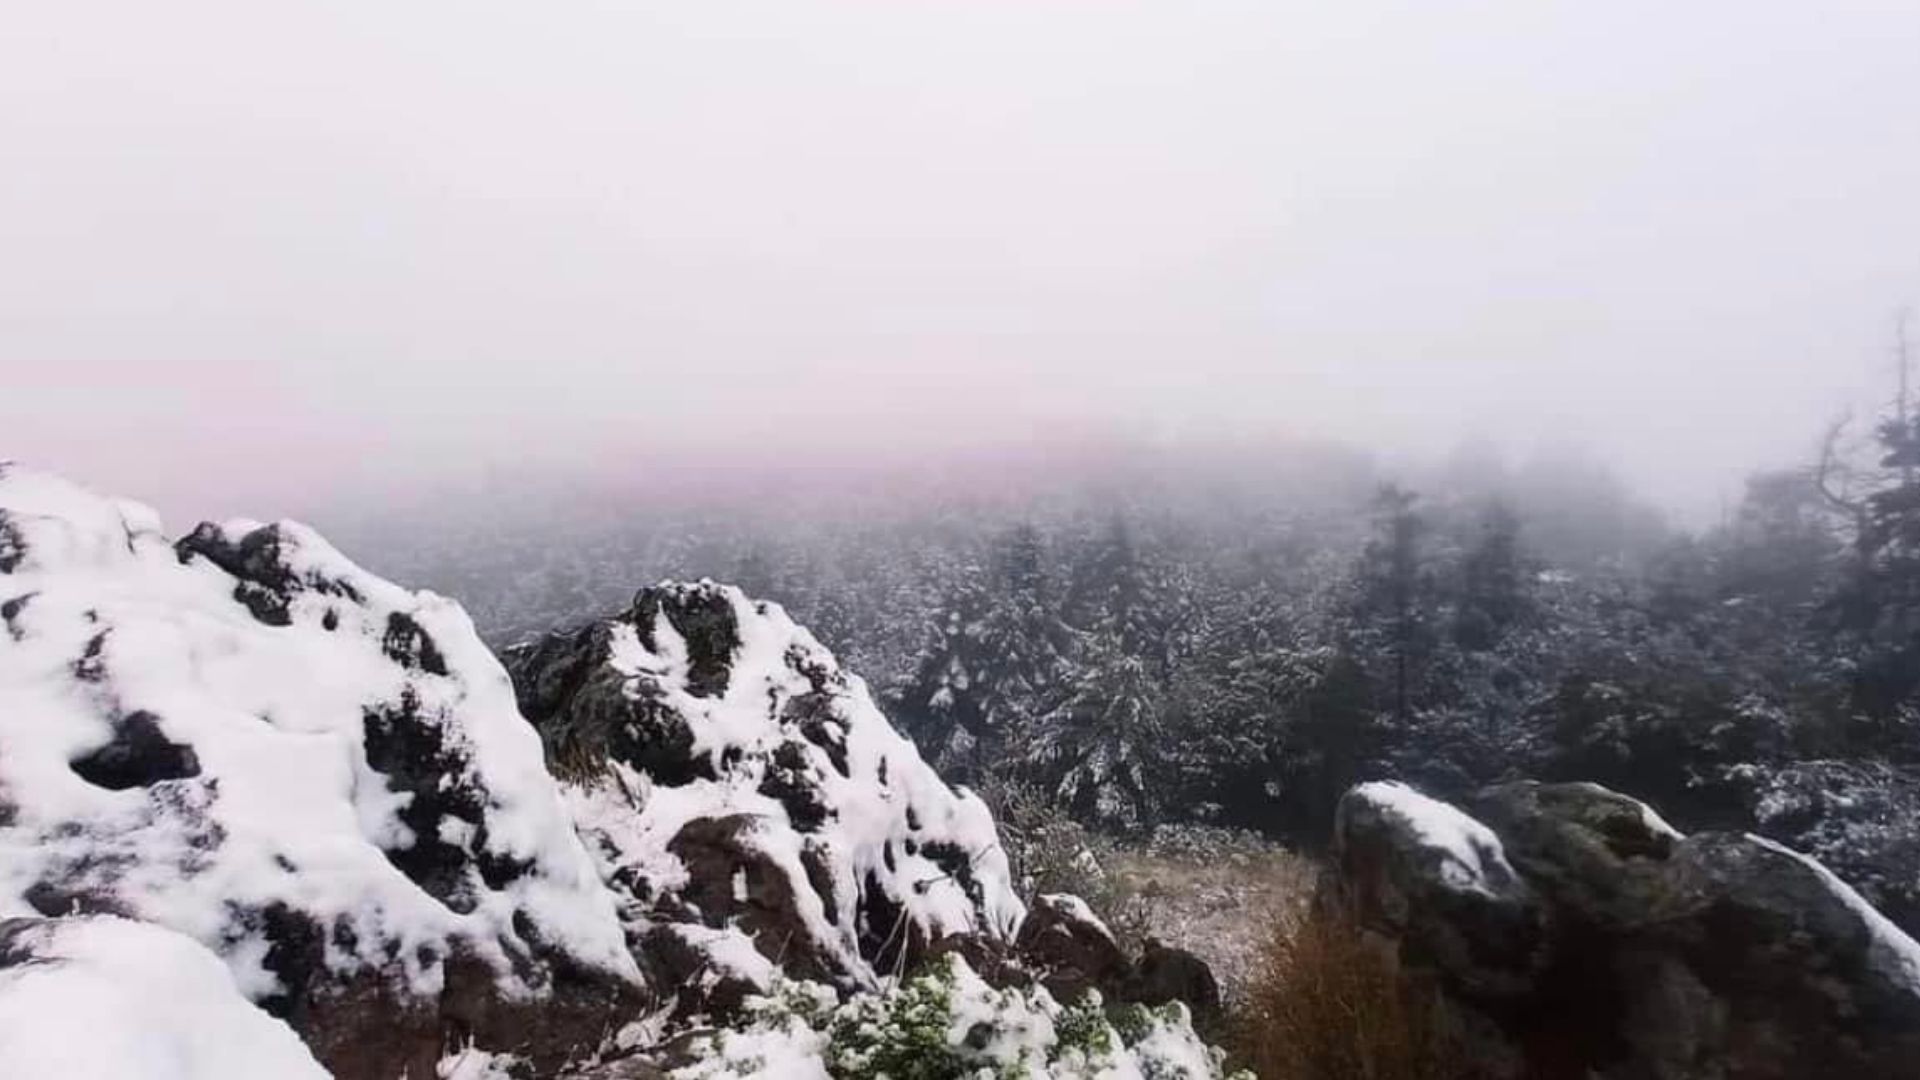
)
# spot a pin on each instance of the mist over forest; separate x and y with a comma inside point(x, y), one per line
point(1161, 634)
point(851, 540)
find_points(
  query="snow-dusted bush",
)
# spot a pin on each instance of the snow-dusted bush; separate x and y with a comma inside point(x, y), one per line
point(948, 1024)
point(1856, 817)
point(1051, 853)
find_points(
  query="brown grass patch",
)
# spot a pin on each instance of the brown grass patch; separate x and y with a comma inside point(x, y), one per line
point(1326, 1004)
point(1214, 893)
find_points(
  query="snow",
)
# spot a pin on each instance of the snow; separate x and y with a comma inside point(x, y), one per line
point(1649, 818)
point(1658, 825)
point(472, 1063)
point(950, 1022)
point(1175, 1051)
point(1078, 910)
point(1473, 859)
point(728, 952)
point(1889, 941)
point(1021, 1026)
point(888, 806)
point(104, 998)
point(792, 1051)
point(285, 808)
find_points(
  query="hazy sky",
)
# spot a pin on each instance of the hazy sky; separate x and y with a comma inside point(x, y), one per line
point(255, 252)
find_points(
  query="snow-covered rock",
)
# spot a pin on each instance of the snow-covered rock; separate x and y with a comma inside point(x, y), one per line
point(241, 756)
point(319, 776)
point(1651, 953)
point(105, 998)
point(750, 801)
point(1424, 871)
point(1467, 854)
point(1070, 949)
point(1856, 817)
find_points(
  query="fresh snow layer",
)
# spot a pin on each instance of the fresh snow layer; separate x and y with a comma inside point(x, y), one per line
point(790, 1051)
point(1657, 825)
point(472, 1063)
point(1472, 858)
point(1078, 910)
point(105, 621)
point(1892, 944)
point(890, 810)
point(103, 998)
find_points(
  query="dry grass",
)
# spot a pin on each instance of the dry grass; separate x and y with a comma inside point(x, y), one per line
point(1324, 1004)
point(578, 762)
point(1214, 893)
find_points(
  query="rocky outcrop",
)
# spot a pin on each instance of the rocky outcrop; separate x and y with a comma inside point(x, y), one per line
point(750, 804)
point(367, 848)
point(1436, 879)
point(1570, 932)
point(319, 777)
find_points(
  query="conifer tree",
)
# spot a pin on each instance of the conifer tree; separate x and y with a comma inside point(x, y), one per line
point(1098, 749)
point(1394, 619)
point(997, 657)
point(1494, 595)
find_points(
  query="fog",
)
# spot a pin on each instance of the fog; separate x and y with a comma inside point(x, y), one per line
point(262, 257)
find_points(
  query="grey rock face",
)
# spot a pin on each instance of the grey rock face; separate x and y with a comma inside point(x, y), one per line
point(1628, 950)
point(1485, 932)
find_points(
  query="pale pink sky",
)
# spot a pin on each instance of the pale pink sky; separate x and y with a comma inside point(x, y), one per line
point(254, 253)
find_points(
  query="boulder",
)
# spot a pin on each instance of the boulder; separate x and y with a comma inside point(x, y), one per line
point(1595, 853)
point(1425, 874)
point(996, 961)
point(1168, 973)
point(1070, 950)
point(1650, 954)
point(1804, 977)
point(318, 776)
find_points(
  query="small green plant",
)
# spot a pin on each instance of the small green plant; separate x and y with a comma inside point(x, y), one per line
point(902, 1035)
point(1082, 1027)
point(947, 1024)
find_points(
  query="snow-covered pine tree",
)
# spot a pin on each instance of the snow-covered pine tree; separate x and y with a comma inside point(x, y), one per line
point(1119, 590)
point(1877, 606)
point(942, 705)
point(1494, 581)
point(1099, 751)
point(998, 656)
point(1393, 618)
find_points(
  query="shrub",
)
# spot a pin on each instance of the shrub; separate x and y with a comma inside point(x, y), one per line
point(1857, 817)
point(947, 1024)
point(1049, 852)
point(1324, 1004)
